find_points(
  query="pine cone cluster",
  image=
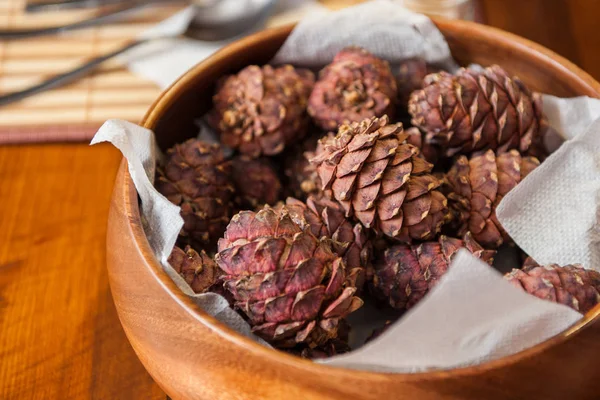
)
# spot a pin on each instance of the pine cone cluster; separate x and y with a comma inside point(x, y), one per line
point(311, 226)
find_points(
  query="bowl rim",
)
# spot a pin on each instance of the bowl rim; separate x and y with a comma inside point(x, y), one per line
point(131, 208)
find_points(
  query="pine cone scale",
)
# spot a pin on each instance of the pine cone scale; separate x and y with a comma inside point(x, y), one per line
point(325, 219)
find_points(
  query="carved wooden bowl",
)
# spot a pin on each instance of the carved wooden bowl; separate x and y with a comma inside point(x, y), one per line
point(193, 356)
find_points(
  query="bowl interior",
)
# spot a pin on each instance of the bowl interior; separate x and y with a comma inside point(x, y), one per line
point(172, 116)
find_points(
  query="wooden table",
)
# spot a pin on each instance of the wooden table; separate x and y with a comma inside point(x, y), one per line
point(60, 337)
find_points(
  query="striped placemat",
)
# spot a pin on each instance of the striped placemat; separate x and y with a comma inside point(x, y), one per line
point(77, 109)
point(74, 112)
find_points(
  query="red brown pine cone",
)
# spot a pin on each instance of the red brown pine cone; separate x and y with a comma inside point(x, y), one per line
point(197, 178)
point(325, 219)
point(291, 285)
point(381, 180)
point(301, 176)
point(198, 269)
point(329, 349)
point(256, 182)
point(428, 150)
point(571, 285)
point(476, 188)
point(477, 110)
point(409, 77)
point(261, 110)
point(355, 86)
point(406, 273)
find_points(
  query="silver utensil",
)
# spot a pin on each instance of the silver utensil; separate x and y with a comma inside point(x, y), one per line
point(215, 23)
point(57, 5)
point(44, 6)
point(104, 18)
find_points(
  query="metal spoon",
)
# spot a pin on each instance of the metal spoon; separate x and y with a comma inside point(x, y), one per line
point(225, 20)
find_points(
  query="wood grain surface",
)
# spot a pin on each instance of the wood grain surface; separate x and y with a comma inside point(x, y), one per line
point(60, 337)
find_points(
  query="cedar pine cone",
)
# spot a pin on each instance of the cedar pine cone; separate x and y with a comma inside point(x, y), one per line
point(406, 273)
point(301, 176)
point(571, 285)
point(256, 182)
point(331, 348)
point(290, 285)
point(477, 110)
point(476, 188)
point(409, 77)
point(428, 150)
point(198, 269)
point(325, 218)
point(381, 180)
point(196, 177)
point(261, 110)
point(355, 86)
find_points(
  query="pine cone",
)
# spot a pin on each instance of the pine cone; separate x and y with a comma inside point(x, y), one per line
point(256, 182)
point(325, 219)
point(290, 285)
point(571, 285)
point(477, 186)
point(301, 176)
point(406, 273)
point(355, 86)
point(196, 177)
point(262, 110)
point(197, 269)
point(331, 348)
point(477, 110)
point(428, 150)
point(409, 77)
point(381, 180)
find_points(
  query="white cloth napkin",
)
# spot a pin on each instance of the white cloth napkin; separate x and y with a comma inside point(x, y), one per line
point(473, 315)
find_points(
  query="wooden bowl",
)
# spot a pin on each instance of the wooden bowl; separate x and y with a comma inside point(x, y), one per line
point(193, 356)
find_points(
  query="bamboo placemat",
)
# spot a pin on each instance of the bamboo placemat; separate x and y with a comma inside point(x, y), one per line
point(112, 92)
point(74, 112)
